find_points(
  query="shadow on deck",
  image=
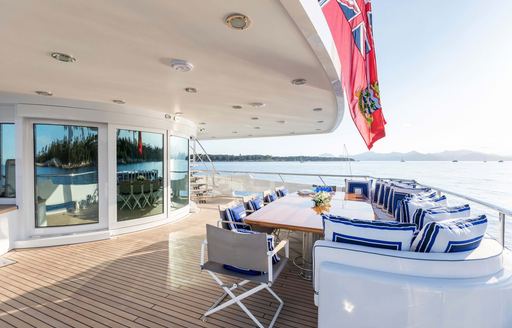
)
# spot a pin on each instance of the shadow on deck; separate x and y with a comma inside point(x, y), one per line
point(144, 279)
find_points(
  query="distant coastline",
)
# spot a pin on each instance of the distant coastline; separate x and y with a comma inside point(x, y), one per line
point(269, 158)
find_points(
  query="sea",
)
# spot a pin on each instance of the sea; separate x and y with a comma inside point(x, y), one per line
point(487, 181)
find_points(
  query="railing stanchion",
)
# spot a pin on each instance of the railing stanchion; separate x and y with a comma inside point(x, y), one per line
point(502, 228)
point(280, 177)
point(320, 177)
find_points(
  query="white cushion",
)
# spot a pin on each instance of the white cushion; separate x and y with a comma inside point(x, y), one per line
point(409, 206)
point(372, 233)
point(451, 236)
point(423, 216)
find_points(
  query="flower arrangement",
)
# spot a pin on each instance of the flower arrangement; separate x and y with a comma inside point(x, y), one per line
point(141, 178)
point(322, 198)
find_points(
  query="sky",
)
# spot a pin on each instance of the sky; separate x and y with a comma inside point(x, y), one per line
point(445, 70)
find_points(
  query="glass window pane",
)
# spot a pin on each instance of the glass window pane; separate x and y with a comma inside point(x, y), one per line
point(7, 161)
point(140, 167)
point(179, 167)
point(66, 175)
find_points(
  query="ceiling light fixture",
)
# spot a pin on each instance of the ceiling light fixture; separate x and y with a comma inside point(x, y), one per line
point(318, 129)
point(168, 116)
point(257, 127)
point(191, 90)
point(181, 65)
point(44, 93)
point(235, 132)
point(299, 81)
point(281, 121)
point(236, 107)
point(237, 21)
point(202, 130)
point(202, 123)
point(63, 57)
point(318, 109)
point(319, 121)
point(255, 118)
point(118, 101)
point(257, 104)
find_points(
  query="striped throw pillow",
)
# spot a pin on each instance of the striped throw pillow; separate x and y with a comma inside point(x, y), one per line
point(408, 206)
point(371, 233)
point(452, 236)
point(234, 215)
point(423, 216)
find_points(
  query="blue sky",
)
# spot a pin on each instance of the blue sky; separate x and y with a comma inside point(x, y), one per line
point(445, 70)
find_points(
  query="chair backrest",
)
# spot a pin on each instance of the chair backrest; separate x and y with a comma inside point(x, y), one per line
point(248, 251)
point(326, 187)
point(247, 199)
point(222, 212)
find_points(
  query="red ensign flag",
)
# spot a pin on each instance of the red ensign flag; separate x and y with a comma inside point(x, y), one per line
point(350, 22)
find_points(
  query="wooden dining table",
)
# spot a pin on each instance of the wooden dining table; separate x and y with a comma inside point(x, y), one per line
point(295, 212)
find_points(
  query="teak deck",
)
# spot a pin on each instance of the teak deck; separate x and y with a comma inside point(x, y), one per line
point(145, 279)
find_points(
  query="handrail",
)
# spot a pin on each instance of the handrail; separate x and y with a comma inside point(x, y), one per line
point(207, 156)
point(500, 209)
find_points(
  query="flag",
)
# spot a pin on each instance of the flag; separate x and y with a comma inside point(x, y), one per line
point(350, 22)
point(140, 143)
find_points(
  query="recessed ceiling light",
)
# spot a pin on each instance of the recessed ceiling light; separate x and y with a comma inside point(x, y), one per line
point(236, 107)
point(44, 93)
point(237, 21)
point(257, 104)
point(318, 109)
point(319, 121)
point(235, 132)
point(255, 118)
point(249, 135)
point(168, 116)
point(63, 57)
point(191, 90)
point(299, 81)
point(118, 101)
point(181, 65)
point(281, 121)
point(257, 127)
point(202, 130)
point(318, 129)
point(202, 123)
point(292, 132)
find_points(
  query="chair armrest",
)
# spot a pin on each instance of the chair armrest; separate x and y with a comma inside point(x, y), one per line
point(282, 244)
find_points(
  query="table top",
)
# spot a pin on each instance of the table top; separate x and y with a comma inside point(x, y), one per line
point(297, 213)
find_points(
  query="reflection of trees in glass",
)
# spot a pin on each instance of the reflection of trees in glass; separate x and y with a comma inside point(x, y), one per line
point(71, 151)
point(128, 152)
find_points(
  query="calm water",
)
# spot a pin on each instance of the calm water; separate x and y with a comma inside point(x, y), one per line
point(488, 181)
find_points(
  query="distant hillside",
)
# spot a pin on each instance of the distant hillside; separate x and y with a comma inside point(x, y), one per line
point(459, 155)
point(269, 158)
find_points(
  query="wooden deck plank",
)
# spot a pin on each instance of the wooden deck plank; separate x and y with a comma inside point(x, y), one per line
point(145, 279)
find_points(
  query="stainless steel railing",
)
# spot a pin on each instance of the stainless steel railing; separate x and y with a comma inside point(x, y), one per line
point(502, 212)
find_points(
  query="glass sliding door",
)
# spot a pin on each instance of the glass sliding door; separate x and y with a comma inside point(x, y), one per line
point(7, 161)
point(66, 175)
point(179, 171)
point(140, 167)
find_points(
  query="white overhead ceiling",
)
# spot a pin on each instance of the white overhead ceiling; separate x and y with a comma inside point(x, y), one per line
point(123, 49)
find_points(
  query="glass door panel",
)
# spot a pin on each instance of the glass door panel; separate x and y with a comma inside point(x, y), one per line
point(179, 171)
point(66, 175)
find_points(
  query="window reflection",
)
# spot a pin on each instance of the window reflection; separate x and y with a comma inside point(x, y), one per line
point(179, 171)
point(140, 168)
point(66, 175)
point(7, 161)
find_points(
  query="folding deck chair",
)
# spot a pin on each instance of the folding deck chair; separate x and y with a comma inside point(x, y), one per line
point(248, 251)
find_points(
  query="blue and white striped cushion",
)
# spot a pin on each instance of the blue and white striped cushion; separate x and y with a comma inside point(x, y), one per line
point(408, 206)
point(271, 197)
point(236, 214)
point(452, 236)
point(255, 204)
point(423, 216)
point(363, 186)
point(282, 192)
point(371, 233)
point(399, 192)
